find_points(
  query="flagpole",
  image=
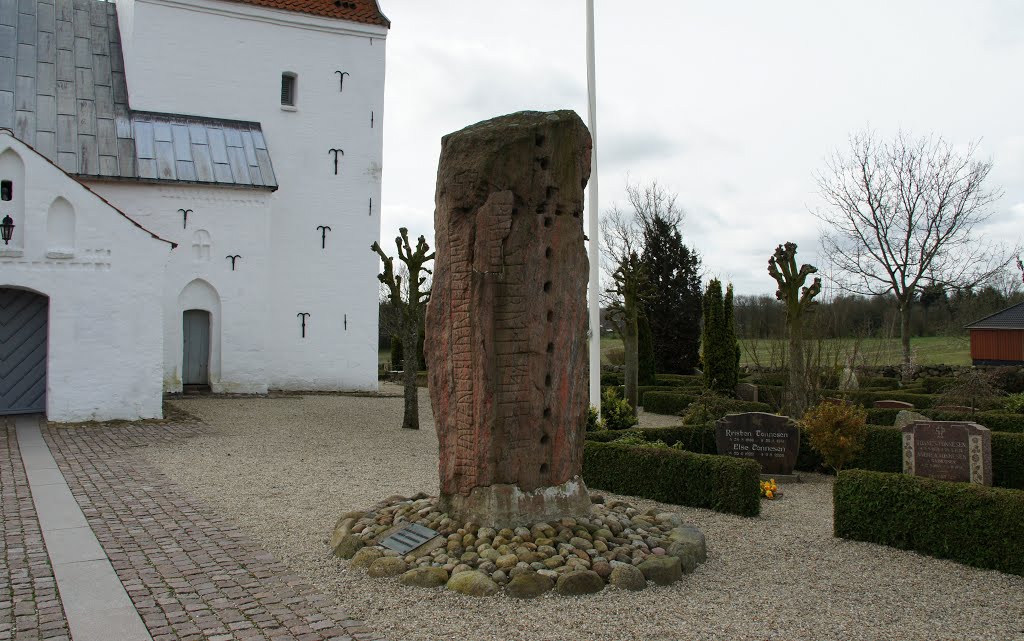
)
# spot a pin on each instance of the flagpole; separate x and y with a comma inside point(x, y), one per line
point(594, 253)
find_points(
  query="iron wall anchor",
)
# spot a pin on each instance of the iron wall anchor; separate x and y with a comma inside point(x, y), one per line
point(336, 152)
point(323, 235)
point(303, 316)
point(341, 79)
point(184, 217)
point(233, 259)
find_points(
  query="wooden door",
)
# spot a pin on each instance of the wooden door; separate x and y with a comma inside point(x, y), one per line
point(23, 330)
point(195, 363)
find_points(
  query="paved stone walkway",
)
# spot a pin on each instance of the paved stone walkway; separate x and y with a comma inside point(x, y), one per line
point(190, 574)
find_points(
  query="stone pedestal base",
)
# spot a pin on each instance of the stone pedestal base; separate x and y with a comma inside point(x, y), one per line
point(508, 506)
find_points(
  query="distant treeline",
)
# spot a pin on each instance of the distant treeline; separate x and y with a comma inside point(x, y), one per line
point(936, 313)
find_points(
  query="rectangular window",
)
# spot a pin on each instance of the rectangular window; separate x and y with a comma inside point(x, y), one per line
point(288, 89)
point(6, 190)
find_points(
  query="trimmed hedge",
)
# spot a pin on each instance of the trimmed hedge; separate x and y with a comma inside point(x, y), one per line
point(667, 402)
point(721, 483)
point(883, 449)
point(1008, 460)
point(995, 421)
point(880, 382)
point(699, 439)
point(672, 403)
point(971, 524)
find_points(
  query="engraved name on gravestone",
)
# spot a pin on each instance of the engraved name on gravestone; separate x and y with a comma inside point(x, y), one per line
point(948, 451)
point(771, 440)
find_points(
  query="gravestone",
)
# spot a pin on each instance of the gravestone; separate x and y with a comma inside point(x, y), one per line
point(746, 392)
point(948, 451)
point(894, 405)
point(771, 440)
point(506, 326)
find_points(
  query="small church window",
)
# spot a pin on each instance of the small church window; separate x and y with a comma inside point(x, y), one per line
point(289, 83)
point(6, 189)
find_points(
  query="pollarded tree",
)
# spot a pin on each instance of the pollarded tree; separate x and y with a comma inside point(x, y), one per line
point(410, 302)
point(904, 214)
point(798, 301)
point(718, 342)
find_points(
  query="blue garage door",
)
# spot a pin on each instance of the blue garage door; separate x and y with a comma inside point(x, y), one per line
point(22, 351)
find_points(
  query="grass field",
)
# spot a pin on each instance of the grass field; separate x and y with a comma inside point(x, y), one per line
point(930, 350)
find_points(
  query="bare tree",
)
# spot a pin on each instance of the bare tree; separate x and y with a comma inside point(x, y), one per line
point(410, 301)
point(903, 214)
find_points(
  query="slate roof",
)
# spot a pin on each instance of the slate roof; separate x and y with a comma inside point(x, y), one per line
point(1010, 318)
point(365, 11)
point(63, 92)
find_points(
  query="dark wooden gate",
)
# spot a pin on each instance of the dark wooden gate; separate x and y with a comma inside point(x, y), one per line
point(23, 327)
point(195, 364)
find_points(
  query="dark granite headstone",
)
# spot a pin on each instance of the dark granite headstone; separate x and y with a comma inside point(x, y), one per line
point(771, 440)
point(948, 451)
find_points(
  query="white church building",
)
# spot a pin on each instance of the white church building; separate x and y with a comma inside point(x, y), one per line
point(188, 194)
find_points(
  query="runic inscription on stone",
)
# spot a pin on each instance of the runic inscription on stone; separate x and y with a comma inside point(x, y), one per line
point(506, 326)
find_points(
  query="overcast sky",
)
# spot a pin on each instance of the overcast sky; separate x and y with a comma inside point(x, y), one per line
point(733, 105)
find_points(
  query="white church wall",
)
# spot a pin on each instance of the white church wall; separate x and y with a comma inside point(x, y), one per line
point(221, 222)
point(225, 59)
point(105, 333)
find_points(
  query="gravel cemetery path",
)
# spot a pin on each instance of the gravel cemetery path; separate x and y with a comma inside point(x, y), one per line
point(283, 469)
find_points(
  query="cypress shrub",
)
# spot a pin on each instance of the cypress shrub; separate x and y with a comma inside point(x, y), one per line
point(964, 522)
point(397, 358)
point(718, 343)
point(721, 483)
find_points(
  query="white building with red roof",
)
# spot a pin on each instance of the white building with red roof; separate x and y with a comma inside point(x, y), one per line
point(248, 133)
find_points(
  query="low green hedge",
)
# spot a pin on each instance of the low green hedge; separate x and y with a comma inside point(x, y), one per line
point(880, 382)
point(993, 420)
point(670, 403)
point(721, 483)
point(971, 524)
point(882, 415)
point(699, 439)
point(1008, 460)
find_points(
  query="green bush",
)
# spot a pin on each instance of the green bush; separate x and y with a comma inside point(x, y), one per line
point(1008, 379)
point(680, 380)
point(593, 419)
point(721, 483)
point(836, 431)
point(1014, 403)
point(616, 412)
point(971, 524)
point(867, 398)
point(778, 379)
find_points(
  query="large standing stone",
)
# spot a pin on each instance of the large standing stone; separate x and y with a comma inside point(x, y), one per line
point(771, 440)
point(506, 327)
point(948, 451)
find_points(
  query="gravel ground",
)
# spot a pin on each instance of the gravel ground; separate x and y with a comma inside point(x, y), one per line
point(285, 468)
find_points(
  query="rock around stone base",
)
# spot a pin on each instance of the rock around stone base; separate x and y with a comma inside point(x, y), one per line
point(614, 544)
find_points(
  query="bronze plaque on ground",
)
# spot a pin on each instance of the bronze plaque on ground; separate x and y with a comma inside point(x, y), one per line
point(948, 451)
point(771, 440)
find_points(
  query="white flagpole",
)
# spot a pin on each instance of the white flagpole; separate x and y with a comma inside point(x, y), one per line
point(595, 253)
